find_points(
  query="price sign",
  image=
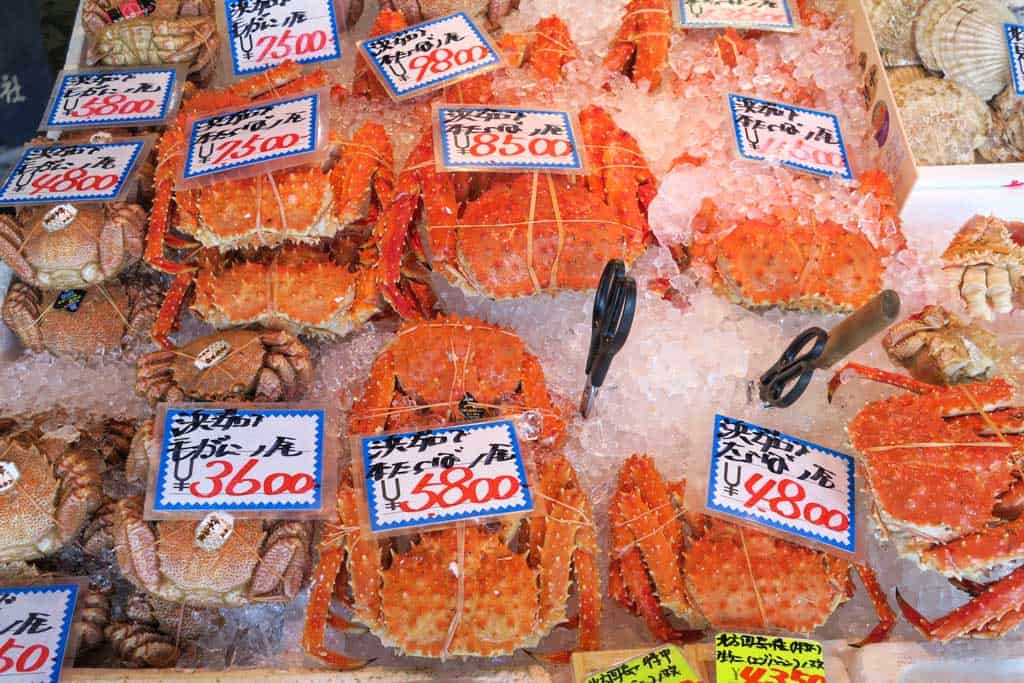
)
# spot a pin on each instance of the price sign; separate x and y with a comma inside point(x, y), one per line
point(284, 129)
point(35, 622)
point(766, 15)
point(106, 97)
point(63, 173)
point(444, 475)
point(240, 459)
point(495, 138)
point(264, 34)
point(1015, 44)
point(745, 658)
point(764, 476)
point(664, 665)
point(430, 55)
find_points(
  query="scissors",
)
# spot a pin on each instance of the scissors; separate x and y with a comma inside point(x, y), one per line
point(614, 306)
point(786, 381)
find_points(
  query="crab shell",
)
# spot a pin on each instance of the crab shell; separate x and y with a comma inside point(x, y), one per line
point(640, 48)
point(939, 348)
point(416, 11)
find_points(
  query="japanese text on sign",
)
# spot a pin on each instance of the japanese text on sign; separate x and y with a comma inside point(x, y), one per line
point(111, 97)
point(58, 173)
point(764, 476)
point(1015, 44)
point(506, 137)
point(663, 665)
point(228, 459)
point(34, 625)
point(245, 137)
point(803, 139)
point(745, 658)
point(430, 55)
point(265, 33)
point(773, 15)
point(443, 475)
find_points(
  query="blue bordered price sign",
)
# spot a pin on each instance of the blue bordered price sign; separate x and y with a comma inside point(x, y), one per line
point(430, 55)
point(241, 459)
point(474, 138)
point(1015, 44)
point(665, 664)
point(35, 628)
point(66, 173)
point(450, 474)
point(264, 34)
point(764, 15)
point(768, 478)
point(750, 658)
point(803, 139)
point(113, 97)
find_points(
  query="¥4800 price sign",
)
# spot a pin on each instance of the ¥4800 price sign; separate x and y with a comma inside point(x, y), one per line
point(264, 34)
point(34, 625)
point(444, 475)
point(747, 658)
point(61, 173)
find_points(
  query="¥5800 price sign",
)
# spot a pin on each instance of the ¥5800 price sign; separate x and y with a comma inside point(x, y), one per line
point(234, 459)
point(103, 98)
point(765, 15)
point(62, 173)
point(34, 625)
point(444, 475)
point(764, 476)
point(747, 658)
point(264, 34)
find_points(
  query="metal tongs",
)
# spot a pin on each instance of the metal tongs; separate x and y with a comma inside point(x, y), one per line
point(614, 306)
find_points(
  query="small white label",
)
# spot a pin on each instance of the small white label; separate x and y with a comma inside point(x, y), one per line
point(804, 139)
point(9, 475)
point(430, 55)
point(61, 173)
point(212, 354)
point(96, 98)
point(764, 476)
point(59, 217)
point(766, 15)
point(264, 34)
point(214, 531)
point(34, 625)
point(506, 137)
point(276, 130)
point(252, 460)
point(1015, 44)
point(444, 475)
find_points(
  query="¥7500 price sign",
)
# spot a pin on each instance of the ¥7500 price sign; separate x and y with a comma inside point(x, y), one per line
point(63, 173)
point(748, 658)
point(264, 34)
point(35, 622)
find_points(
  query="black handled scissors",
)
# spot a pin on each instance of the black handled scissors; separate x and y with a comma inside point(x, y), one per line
point(614, 306)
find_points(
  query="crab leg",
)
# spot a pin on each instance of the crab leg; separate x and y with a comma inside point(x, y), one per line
point(886, 617)
point(167, 319)
point(976, 552)
point(318, 610)
point(844, 373)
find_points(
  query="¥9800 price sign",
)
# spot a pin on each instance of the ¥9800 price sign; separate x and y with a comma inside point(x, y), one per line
point(35, 622)
point(64, 173)
point(749, 658)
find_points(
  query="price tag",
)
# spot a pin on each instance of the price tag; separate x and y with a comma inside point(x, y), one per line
point(251, 460)
point(280, 130)
point(495, 138)
point(35, 622)
point(770, 478)
point(430, 55)
point(766, 15)
point(69, 300)
point(265, 34)
point(664, 664)
point(444, 475)
point(63, 173)
point(803, 139)
point(1015, 44)
point(106, 97)
point(745, 658)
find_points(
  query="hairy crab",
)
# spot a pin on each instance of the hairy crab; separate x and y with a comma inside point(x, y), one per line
point(986, 258)
point(415, 11)
point(935, 346)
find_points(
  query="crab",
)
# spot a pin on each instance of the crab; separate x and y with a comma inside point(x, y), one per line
point(640, 48)
point(228, 365)
point(943, 467)
point(416, 11)
point(937, 347)
point(515, 574)
point(665, 557)
point(986, 258)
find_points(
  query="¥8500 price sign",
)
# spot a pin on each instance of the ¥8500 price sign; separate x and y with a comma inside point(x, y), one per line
point(264, 34)
point(61, 173)
point(34, 625)
point(747, 658)
point(444, 475)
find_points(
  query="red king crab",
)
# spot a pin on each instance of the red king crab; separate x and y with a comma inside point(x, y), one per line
point(664, 557)
point(640, 48)
point(986, 259)
point(514, 575)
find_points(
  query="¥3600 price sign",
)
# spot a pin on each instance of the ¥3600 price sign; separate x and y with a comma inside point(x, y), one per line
point(264, 34)
point(34, 625)
point(103, 98)
point(747, 658)
point(63, 173)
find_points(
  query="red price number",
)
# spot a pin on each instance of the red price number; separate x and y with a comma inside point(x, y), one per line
point(29, 659)
point(238, 150)
point(235, 483)
point(116, 104)
point(443, 59)
point(487, 144)
point(72, 180)
point(288, 44)
point(751, 674)
point(789, 494)
point(456, 486)
point(787, 147)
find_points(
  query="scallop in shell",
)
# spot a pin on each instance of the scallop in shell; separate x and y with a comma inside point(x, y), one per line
point(901, 75)
point(893, 24)
point(945, 123)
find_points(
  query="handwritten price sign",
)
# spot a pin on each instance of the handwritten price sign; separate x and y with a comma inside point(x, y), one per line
point(105, 98)
point(34, 625)
point(498, 138)
point(804, 139)
point(61, 173)
point(444, 475)
point(251, 460)
point(663, 665)
point(746, 658)
point(430, 55)
point(764, 476)
point(264, 34)
point(1015, 44)
point(767, 15)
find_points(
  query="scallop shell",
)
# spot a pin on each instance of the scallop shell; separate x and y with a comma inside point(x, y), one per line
point(944, 122)
point(924, 26)
point(893, 24)
point(901, 75)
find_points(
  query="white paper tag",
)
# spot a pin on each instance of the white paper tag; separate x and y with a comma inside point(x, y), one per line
point(430, 55)
point(1015, 44)
point(506, 137)
point(264, 34)
point(251, 460)
point(62, 173)
point(35, 622)
point(97, 98)
point(244, 137)
point(799, 138)
point(764, 476)
point(766, 15)
point(444, 475)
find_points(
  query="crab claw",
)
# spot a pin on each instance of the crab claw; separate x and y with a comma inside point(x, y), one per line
point(284, 561)
point(843, 374)
point(11, 244)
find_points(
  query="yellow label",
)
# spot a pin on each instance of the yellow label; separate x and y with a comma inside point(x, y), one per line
point(665, 664)
point(746, 658)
